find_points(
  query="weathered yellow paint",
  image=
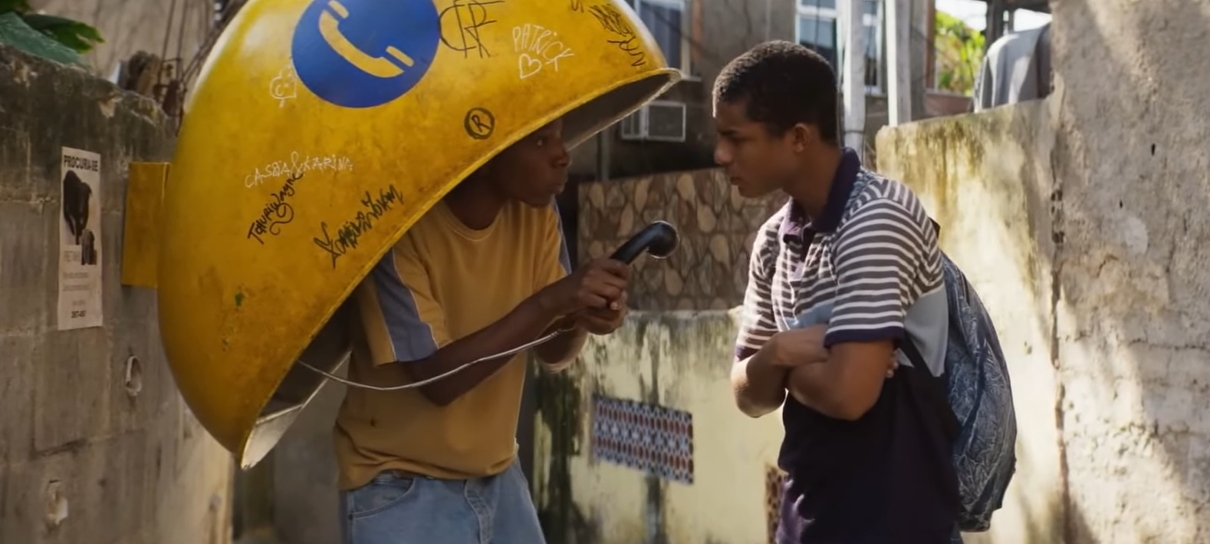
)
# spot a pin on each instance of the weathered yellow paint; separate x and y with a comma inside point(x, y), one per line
point(141, 232)
point(679, 361)
point(279, 202)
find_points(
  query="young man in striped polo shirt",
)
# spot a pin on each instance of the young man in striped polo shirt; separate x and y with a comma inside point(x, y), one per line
point(838, 279)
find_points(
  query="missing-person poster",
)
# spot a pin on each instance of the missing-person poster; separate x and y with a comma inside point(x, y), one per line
point(79, 240)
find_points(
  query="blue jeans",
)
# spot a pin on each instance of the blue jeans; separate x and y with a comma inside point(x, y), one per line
point(396, 509)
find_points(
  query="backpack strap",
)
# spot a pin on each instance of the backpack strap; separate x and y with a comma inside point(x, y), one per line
point(934, 393)
point(931, 390)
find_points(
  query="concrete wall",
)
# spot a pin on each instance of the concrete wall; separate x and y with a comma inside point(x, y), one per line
point(671, 360)
point(1133, 272)
point(1090, 212)
point(126, 464)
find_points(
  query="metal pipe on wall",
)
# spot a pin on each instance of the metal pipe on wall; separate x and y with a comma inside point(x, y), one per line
point(899, 61)
point(994, 28)
point(853, 82)
point(603, 153)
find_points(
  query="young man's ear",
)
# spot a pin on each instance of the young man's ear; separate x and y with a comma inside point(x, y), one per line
point(802, 136)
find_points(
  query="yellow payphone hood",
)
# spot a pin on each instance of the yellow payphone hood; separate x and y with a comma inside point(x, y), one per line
point(317, 133)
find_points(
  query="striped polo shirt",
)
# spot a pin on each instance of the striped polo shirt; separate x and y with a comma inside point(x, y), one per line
point(868, 267)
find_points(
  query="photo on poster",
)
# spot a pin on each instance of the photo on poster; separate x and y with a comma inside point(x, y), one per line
point(80, 240)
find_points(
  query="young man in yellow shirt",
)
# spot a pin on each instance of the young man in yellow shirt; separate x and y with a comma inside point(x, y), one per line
point(484, 271)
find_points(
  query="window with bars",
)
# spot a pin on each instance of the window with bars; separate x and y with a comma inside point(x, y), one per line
point(817, 28)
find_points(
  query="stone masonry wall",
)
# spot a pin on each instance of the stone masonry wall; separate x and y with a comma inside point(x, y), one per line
point(93, 449)
point(717, 226)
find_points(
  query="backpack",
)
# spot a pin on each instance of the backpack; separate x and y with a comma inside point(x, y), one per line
point(979, 416)
point(976, 408)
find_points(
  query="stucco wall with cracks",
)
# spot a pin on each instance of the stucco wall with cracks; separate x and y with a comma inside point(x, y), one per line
point(89, 451)
point(1134, 318)
point(1113, 219)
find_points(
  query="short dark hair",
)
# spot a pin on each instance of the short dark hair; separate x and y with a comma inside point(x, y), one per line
point(783, 83)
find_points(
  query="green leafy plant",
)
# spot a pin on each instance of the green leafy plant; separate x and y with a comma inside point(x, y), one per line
point(19, 6)
point(959, 50)
point(77, 36)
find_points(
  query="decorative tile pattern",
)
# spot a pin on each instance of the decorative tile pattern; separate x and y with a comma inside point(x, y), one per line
point(709, 269)
point(646, 437)
point(775, 479)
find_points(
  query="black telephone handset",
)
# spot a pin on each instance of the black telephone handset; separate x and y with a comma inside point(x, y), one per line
point(658, 239)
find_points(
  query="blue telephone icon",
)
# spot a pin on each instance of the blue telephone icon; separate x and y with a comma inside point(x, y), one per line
point(364, 53)
point(329, 28)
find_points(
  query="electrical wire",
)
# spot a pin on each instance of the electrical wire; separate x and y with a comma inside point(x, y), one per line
point(441, 376)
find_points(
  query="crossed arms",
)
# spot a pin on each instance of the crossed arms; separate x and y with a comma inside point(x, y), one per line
point(837, 368)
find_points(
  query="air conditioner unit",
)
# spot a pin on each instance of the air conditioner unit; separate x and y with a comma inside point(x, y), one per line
point(659, 121)
point(632, 126)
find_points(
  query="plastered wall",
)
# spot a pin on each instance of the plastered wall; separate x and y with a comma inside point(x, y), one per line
point(94, 447)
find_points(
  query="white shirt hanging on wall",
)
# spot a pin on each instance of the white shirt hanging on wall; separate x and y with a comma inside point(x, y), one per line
point(79, 239)
point(1016, 68)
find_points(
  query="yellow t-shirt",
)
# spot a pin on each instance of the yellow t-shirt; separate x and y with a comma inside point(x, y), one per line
point(441, 282)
